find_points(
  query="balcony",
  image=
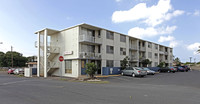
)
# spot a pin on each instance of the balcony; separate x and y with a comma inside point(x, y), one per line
point(166, 53)
point(133, 58)
point(133, 48)
point(89, 39)
point(142, 58)
point(142, 49)
point(89, 55)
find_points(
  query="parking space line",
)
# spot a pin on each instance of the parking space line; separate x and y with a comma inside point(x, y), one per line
point(8, 83)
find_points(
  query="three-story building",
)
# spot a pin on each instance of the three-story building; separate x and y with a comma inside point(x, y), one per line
point(85, 43)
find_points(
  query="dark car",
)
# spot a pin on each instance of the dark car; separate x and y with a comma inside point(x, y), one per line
point(173, 69)
point(180, 69)
point(164, 69)
point(187, 68)
point(156, 69)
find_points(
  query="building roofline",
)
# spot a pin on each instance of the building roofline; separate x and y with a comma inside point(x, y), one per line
point(82, 24)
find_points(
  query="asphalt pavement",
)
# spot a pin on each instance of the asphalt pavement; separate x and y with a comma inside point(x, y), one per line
point(163, 88)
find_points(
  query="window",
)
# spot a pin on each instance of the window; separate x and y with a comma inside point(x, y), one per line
point(166, 50)
point(68, 66)
point(91, 48)
point(166, 57)
point(109, 49)
point(156, 46)
point(149, 45)
point(150, 54)
point(109, 63)
point(122, 51)
point(109, 35)
point(143, 44)
point(156, 56)
point(99, 33)
point(170, 50)
point(122, 38)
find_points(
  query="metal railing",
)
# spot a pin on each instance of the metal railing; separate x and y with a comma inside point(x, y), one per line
point(90, 55)
point(133, 58)
point(133, 47)
point(87, 38)
point(53, 49)
point(142, 49)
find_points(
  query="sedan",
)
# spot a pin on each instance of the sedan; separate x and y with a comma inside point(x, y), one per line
point(19, 71)
point(11, 71)
point(173, 69)
point(149, 72)
point(179, 68)
point(134, 71)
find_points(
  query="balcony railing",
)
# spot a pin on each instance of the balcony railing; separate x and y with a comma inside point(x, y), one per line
point(87, 38)
point(142, 48)
point(89, 55)
point(53, 49)
point(133, 47)
point(133, 58)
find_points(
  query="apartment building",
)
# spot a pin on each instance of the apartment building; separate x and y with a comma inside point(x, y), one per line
point(85, 43)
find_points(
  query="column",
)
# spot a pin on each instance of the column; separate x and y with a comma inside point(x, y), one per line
point(45, 53)
point(38, 56)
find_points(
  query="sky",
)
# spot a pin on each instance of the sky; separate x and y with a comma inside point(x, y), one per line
point(173, 23)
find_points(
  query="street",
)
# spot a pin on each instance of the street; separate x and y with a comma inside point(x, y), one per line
point(163, 88)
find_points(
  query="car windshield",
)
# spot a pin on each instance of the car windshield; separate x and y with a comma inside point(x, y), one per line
point(138, 68)
point(145, 68)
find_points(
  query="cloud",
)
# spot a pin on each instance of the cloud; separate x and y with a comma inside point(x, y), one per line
point(173, 43)
point(118, 0)
point(151, 16)
point(150, 31)
point(193, 47)
point(165, 39)
point(196, 13)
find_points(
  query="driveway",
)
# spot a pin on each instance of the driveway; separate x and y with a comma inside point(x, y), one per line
point(164, 88)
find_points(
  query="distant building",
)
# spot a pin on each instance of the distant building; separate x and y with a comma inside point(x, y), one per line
point(85, 43)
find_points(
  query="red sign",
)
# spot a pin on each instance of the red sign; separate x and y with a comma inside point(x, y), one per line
point(61, 58)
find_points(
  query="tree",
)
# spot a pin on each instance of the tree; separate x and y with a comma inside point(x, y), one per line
point(177, 61)
point(145, 62)
point(18, 59)
point(161, 65)
point(125, 63)
point(91, 68)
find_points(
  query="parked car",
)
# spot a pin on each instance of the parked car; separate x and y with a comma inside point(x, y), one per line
point(156, 69)
point(187, 68)
point(173, 69)
point(149, 72)
point(11, 71)
point(19, 71)
point(134, 71)
point(180, 69)
point(164, 69)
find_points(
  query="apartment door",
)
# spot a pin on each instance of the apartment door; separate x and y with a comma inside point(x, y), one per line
point(98, 67)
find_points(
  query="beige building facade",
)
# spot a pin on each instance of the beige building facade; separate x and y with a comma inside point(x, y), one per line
point(85, 43)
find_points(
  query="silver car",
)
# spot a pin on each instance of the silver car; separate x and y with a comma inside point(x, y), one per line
point(134, 71)
point(149, 72)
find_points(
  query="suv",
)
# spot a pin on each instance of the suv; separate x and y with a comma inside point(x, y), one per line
point(134, 71)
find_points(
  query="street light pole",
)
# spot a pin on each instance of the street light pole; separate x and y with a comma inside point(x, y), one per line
point(12, 55)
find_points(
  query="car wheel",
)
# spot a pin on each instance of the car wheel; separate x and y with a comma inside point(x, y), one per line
point(133, 75)
point(122, 74)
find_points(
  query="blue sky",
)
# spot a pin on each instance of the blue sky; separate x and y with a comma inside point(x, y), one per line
point(172, 23)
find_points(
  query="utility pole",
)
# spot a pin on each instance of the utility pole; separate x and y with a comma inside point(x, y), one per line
point(194, 60)
point(190, 59)
point(12, 56)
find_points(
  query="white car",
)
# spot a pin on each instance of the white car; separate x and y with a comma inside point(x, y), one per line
point(19, 71)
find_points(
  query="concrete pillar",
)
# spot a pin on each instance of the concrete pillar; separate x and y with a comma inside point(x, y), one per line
point(45, 53)
point(38, 56)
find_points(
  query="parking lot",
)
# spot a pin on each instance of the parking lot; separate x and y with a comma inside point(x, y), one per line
point(165, 88)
